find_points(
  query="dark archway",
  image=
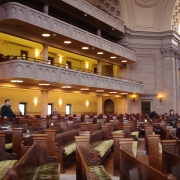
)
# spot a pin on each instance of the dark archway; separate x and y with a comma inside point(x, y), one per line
point(108, 106)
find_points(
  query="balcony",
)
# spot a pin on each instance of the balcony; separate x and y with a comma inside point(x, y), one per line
point(33, 23)
point(90, 9)
point(34, 69)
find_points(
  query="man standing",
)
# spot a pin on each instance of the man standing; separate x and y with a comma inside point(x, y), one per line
point(6, 111)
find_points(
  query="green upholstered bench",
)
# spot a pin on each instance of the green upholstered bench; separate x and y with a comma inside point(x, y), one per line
point(103, 147)
point(8, 146)
point(5, 165)
point(49, 171)
point(160, 149)
point(118, 132)
point(134, 148)
point(70, 148)
point(100, 172)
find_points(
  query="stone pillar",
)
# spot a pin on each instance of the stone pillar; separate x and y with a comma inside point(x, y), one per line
point(44, 102)
point(99, 104)
point(171, 79)
point(45, 53)
point(46, 9)
point(99, 67)
point(99, 32)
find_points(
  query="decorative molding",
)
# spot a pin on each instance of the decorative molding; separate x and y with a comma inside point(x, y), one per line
point(97, 13)
point(146, 3)
point(176, 16)
point(29, 15)
point(45, 72)
point(170, 52)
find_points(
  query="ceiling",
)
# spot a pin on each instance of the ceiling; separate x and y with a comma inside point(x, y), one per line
point(57, 87)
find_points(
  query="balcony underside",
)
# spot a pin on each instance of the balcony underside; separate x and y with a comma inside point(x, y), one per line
point(35, 73)
point(22, 21)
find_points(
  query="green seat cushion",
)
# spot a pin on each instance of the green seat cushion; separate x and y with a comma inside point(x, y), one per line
point(49, 171)
point(136, 133)
point(70, 148)
point(8, 146)
point(134, 148)
point(118, 132)
point(5, 165)
point(104, 146)
point(100, 172)
point(160, 148)
point(27, 172)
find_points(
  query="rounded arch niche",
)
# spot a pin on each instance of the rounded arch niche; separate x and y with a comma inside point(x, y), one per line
point(108, 106)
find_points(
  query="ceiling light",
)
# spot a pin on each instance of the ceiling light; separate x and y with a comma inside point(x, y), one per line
point(113, 29)
point(84, 89)
point(99, 90)
point(85, 47)
point(124, 61)
point(16, 81)
point(67, 42)
point(124, 93)
point(45, 35)
point(44, 84)
point(66, 87)
point(100, 53)
point(113, 57)
point(112, 92)
point(85, 15)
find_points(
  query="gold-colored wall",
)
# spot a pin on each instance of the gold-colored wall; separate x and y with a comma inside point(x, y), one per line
point(22, 95)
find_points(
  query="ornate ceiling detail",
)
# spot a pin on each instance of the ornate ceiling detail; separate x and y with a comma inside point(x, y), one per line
point(146, 3)
point(111, 7)
point(176, 17)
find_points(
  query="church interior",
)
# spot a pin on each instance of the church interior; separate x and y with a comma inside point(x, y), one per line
point(89, 89)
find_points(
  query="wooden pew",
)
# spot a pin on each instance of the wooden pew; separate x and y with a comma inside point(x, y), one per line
point(86, 170)
point(171, 164)
point(35, 163)
point(132, 168)
point(6, 160)
point(60, 144)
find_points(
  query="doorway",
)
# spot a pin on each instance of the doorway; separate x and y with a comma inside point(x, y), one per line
point(68, 109)
point(108, 106)
point(146, 106)
point(50, 108)
point(22, 108)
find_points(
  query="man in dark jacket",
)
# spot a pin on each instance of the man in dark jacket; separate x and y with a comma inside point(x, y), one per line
point(153, 114)
point(6, 111)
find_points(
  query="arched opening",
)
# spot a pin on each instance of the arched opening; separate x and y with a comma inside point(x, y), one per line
point(108, 106)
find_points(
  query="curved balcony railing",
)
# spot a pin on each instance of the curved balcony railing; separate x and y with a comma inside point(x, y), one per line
point(33, 59)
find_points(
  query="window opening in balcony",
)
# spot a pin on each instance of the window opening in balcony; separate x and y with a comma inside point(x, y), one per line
point(68, 64)
point(24, 54)
point(50, 60)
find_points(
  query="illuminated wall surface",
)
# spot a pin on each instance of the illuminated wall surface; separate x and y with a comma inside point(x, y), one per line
point(77, 101)
point(11, 45)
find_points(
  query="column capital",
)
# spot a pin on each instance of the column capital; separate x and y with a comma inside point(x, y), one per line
point(170, 52)
point(44, 91)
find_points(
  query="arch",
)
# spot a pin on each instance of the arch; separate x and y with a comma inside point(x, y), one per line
point(108, 106)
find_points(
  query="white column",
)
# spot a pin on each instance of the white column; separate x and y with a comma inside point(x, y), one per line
point(170, 95)
point(99, 104)
point(46, 9)
point(45, 52)
point(44, 104)
point(99, 67)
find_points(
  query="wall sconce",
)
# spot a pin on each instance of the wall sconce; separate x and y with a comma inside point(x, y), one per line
point(87, 65)
point(35, 101)
point(60, 102)
point(87, 103)
point(60, 59)
point(37, 52)
point(134, 98)
point(160, 98)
